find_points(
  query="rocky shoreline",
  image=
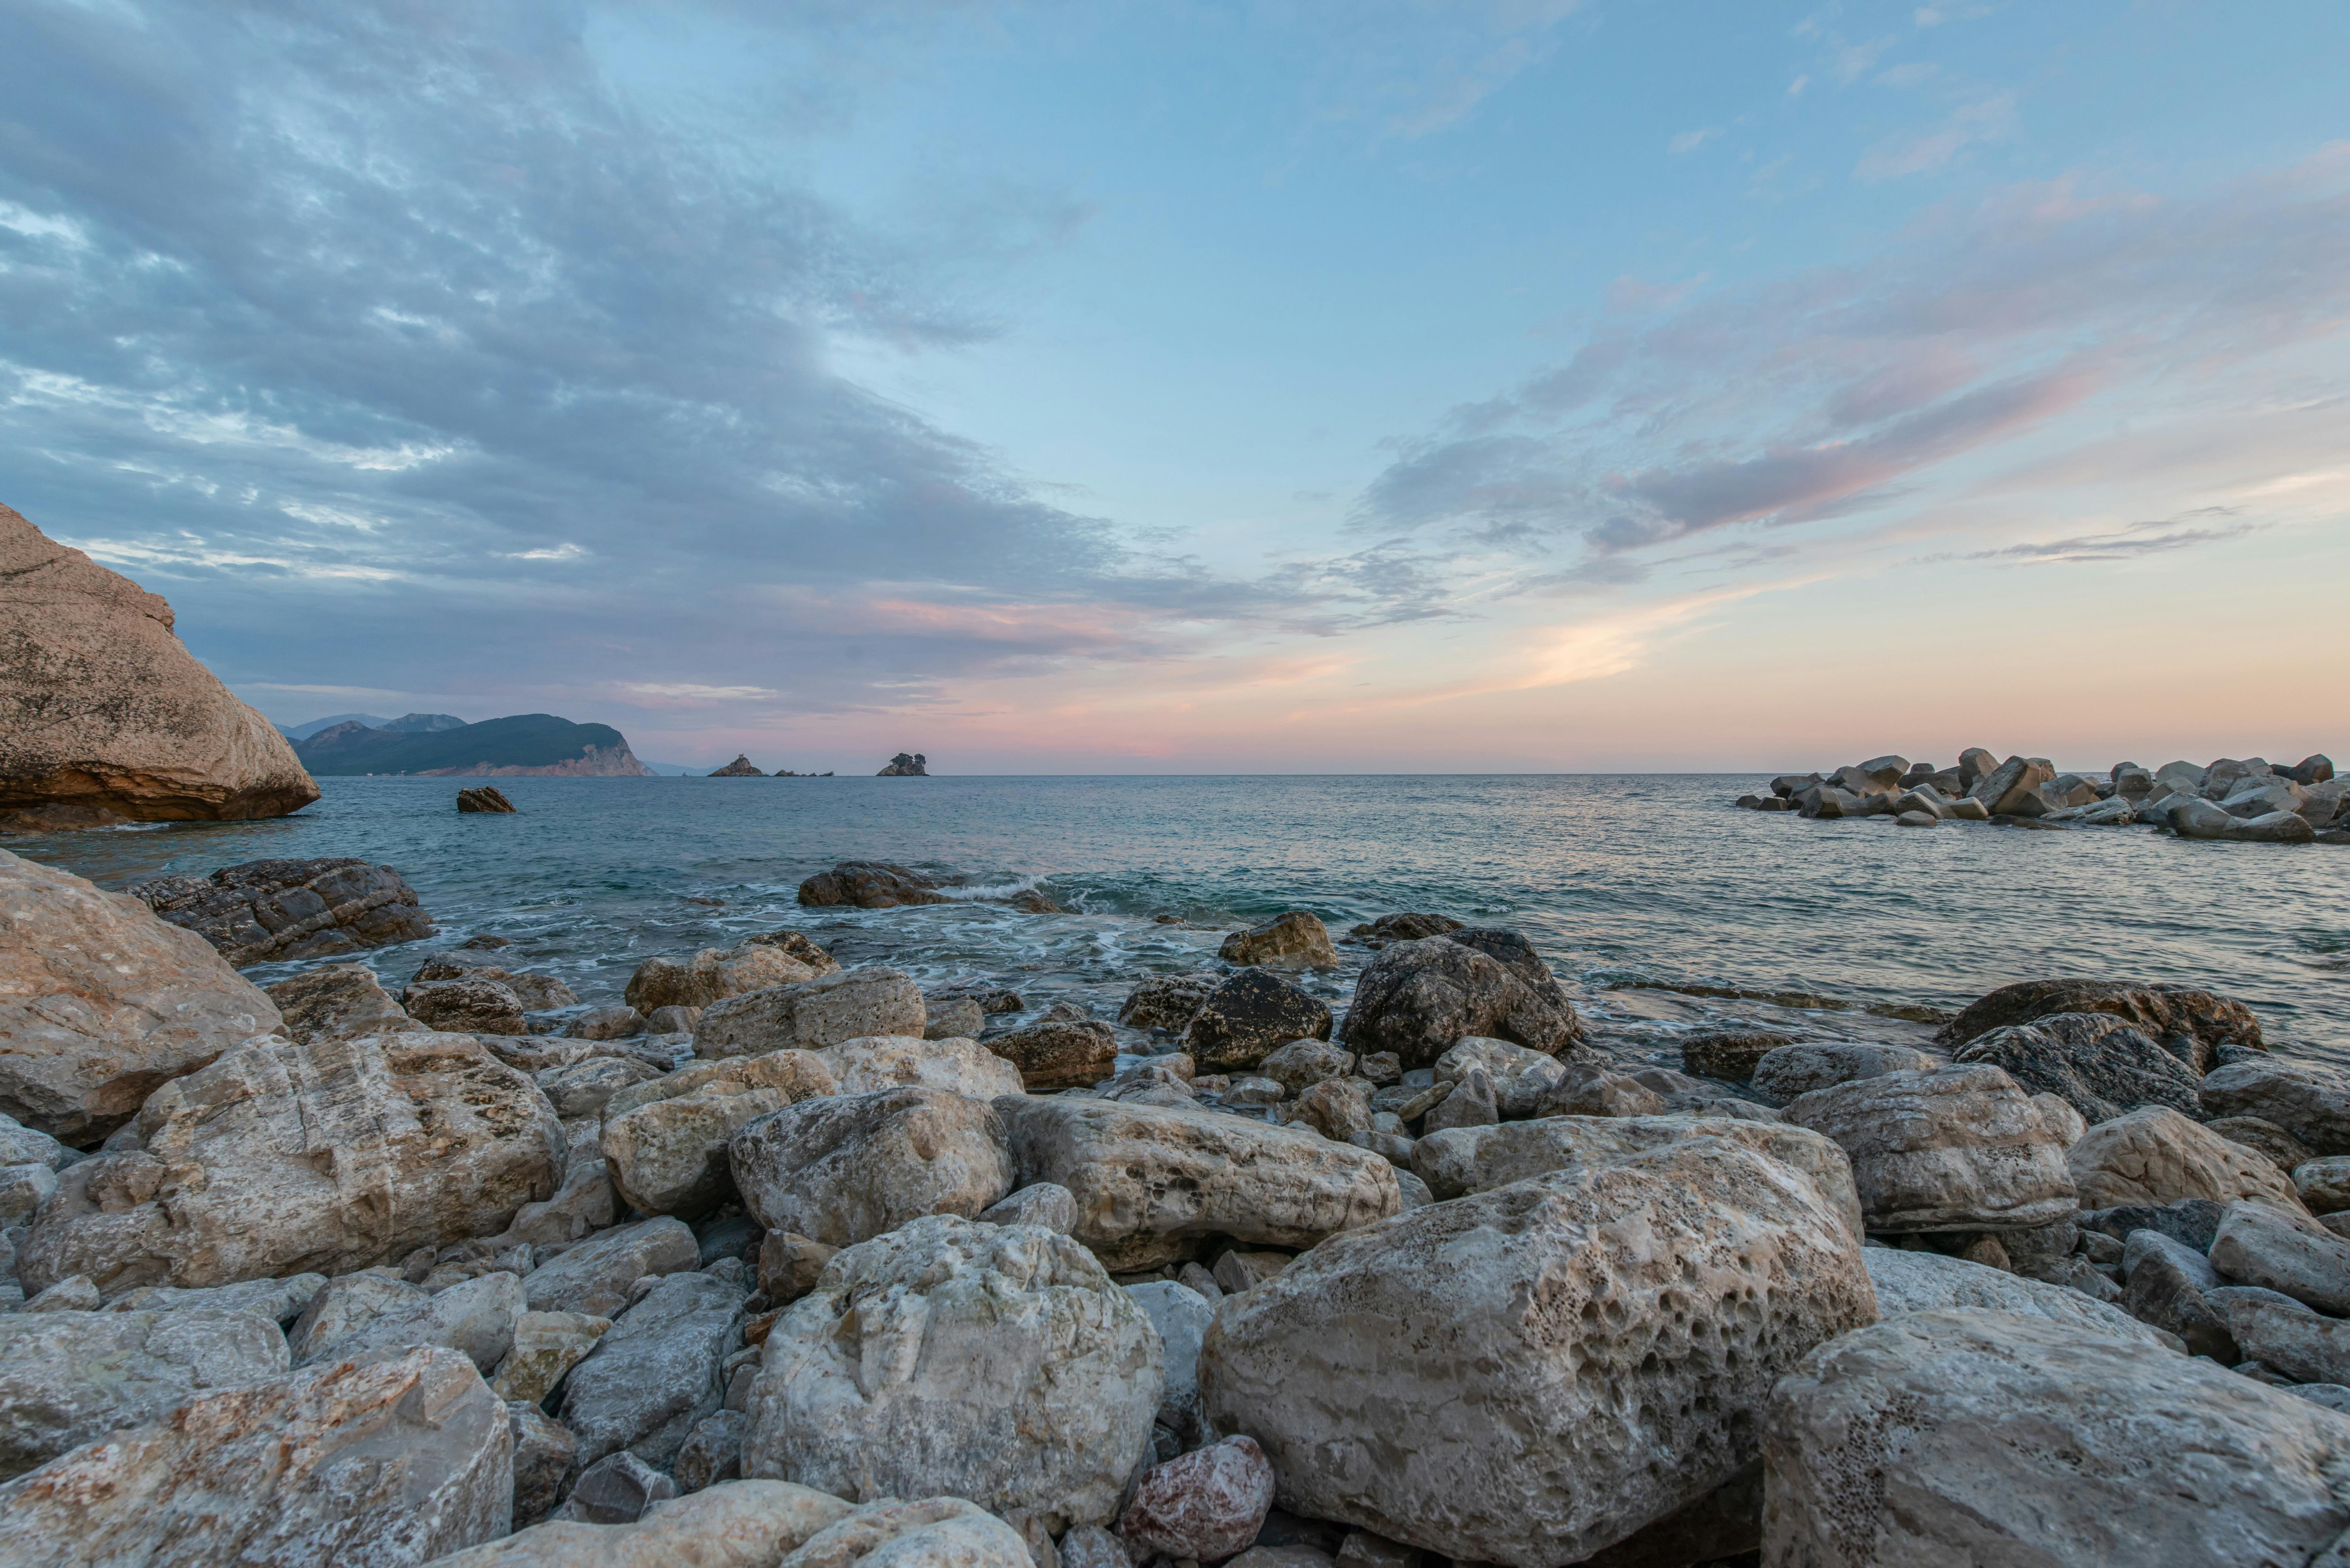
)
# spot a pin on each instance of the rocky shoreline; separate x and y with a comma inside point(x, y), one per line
point(2250, 802)
point(784, 1262)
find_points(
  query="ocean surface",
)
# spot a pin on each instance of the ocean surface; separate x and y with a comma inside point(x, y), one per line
point(1661, 905)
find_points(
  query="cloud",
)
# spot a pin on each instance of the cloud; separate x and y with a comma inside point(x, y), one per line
point(1987, 119)
point(1691, 140)
point(2124, 544)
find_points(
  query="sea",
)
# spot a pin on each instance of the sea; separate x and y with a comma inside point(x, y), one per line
point(1663, 907)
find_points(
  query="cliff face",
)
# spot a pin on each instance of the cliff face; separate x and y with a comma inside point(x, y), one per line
point(105, 717)
point(595, 762)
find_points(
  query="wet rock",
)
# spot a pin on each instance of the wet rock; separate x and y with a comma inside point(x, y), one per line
point(1389, 929)
point(790, 1265)
point(342, 1000)
point(1302, 1063)
point(734, 1524)
point(1790, 1072)
point(546, 1345)
point(594, 1276)
point(1045, 1204)
point(466, 1006)
point(266, 911)
point(1206, 1505)
point(714, 974)
point(851, 1005)
point(2257, 1245)
point(1730, 1054)
point(1059, 1053)
point(281, 1158)
point(1166, 1002)
point(392, 1462)
point(2100, 1065)
point(655, 1374)
point(851, 1167)
point(1418, 999)
point(1928, 1281)
point(483, 798)
point(1152, 1182)
point(1960, 1148)
point(665, 1140)
point(72, 1377)
point(1181, 1315)
point(1293, 940)
point(2156, 1156)
point(105, 717)
point(1247, 1017)
point(1984, 1437)
point(2191, 1023)
point(1400, 1381)
point(101, 1003)
point(713, 1452)
point(2310, 1102)
point(870, 885)
point(998, 1363)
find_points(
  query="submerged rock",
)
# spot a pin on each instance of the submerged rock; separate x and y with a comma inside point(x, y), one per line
point(870, 885)
point(1166, 1002)
point(101, 1003)
point(1389, 930)
point(483, 798)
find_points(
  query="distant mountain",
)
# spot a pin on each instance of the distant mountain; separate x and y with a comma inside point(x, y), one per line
point(527, 743)
point(422, 723)
point(304, 732)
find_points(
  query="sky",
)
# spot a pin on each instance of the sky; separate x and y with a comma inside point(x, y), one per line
point(1392, 385)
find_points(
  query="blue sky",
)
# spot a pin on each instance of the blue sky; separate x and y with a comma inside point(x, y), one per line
point(1074, 388)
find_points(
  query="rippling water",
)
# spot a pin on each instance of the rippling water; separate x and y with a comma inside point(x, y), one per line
point(1650, 892)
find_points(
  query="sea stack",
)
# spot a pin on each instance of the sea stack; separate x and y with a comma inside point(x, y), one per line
point(105, 717)
point(904, 766)
point(740, 768)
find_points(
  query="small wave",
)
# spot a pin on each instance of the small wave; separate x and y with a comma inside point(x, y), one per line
point(1806, 1001)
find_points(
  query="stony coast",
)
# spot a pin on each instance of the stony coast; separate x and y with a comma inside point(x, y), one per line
point(780, 1261)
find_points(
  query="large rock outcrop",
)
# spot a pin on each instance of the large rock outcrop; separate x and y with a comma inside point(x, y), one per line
point(1529, 1375)
point(1419, 998)
point(265, 910)
point(994, 1363)
point(284, 1159)
point(101, 1003)
point(2094, 1062)
point(1984, 1437)
point(1152, 1182)
point(379, 1465)
point(105, 717)
point(2189, 1023)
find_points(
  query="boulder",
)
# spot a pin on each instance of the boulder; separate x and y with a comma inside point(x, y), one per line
point(618, 1490)
point(997, 1364)
point(2064, 1123)
point(715, 973)
point(1527, 1376)
point(1294, 940)
point(1152, 1182)
point(958, 1017)
point(1247, 1016)
point(1472, 1103)
point(850, 1005)
point(487, 798)
point(2013, 789)
point(2284, 1340)
point(379, 1465)
point(1959, 1148)
point(1166, 1002)
point(1789, 1072)
point(899, 1061)
point(2156, 1156)
point(869, 885)
point(547, 1346)
point(665, 1140)
point(2191, 1023)
point(105, 717)
point(72, 1377)
point(475, 1319)
point(2170, 1286)
point(789, 1265)
point(1389, 930)
point(595, 1277)
point(585, 1088)
point(471, 1006)
point(712, 1452)
point(942, 1530)
point(543, 1452)
point(2258, 1245)
point(1302, 1063)
point(848, 1168)
point(2323, 1185)
point(1205, 1505)
point(101, 1003)
point(1928, 1281)
point(2280, 1147)
point(266, 911)
point(734, 1524)
point(1181, 1316)
point(281, 1158)
point(279, 1301)
point(2274, 827)
point(622, 1023)
point(1047, 1204)
point(1058, 1053)
point(1479, 1159)
point(2312, 770)
point(1419, 998)
point(342, 1000)
point(2310, 1102)
point(1983, 1437)
point(2095, 1063)
point(655, 1375)
point(1730, 1054)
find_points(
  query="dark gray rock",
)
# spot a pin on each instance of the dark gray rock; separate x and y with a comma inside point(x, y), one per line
point(1248, 1016)
point(1419, 998)
point(2170, 1286)
point(264, 911)
point(2310, 1102)
point(2191, 1223)
point(1389, 929)
point(2094, 1062)
point(616, 1490)
point(1168, 1001)
point(1730, 1054)
point(2189, 1023)
point(1059, 1053)
point(483, 798)
point(543, 1452)
point(714, 1453)
point(653, 1377)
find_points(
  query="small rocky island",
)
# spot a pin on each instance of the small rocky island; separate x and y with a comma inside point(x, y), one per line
point(906, 765)
point(2247, 801)
point(784, 1262)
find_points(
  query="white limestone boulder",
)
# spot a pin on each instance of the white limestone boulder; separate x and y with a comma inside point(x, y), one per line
point(664, 1142)
point(2156, 1156)
point(847, 1168)
point(994, 1363)
point(854, 1004)
point(1928, 1281)
point(1959, 1148)
point(903, 1061)
point(72, 1377)
point(734, 1524)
